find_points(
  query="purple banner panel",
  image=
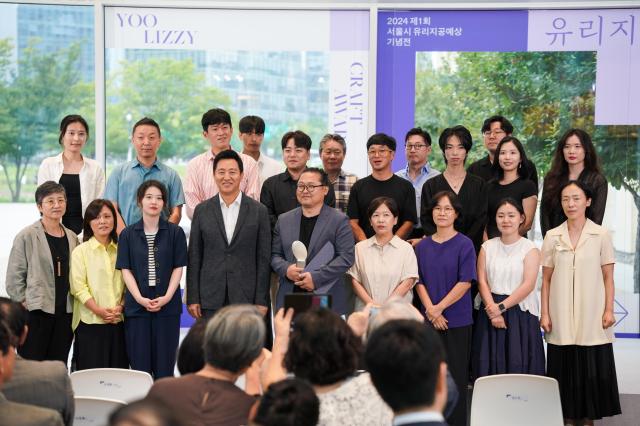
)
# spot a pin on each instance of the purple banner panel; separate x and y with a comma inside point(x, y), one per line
point(349, 30)
point(403, 33)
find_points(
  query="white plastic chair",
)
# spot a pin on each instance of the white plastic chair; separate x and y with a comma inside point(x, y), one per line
point(113, 383)
point(94, 411)
point(516, 399)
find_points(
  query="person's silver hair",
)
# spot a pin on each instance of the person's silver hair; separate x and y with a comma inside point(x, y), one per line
point(395, 308)
point(234, 338)
point(333, 137)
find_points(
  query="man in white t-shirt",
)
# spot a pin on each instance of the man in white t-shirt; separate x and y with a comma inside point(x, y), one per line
point(251, 128)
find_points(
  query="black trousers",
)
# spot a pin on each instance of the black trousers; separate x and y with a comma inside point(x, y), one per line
point(49, 337)
point(100, 346)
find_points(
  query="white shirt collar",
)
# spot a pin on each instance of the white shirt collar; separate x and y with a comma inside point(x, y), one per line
point(235, 202)
point(417, 417)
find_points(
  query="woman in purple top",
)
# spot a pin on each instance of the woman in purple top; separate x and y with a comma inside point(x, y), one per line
point(446, 266)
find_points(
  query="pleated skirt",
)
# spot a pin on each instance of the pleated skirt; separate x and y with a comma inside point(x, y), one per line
point(518, 349)
point(587, 379)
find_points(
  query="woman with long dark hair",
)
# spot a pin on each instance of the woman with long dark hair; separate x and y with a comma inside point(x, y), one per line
point(82, 177)
point(511, 179)
point(98, 292)
point(575, 158)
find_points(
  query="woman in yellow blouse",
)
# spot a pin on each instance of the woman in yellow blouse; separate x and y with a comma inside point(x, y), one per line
point(98, 292)
point(577, 310)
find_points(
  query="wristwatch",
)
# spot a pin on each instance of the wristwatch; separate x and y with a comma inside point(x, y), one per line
point(502, 307)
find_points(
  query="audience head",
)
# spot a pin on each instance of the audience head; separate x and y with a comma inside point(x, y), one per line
point(407, 365)
point(322, 348)
point(234, 338)
point(100, 219)
point(509, 216)
point(290, 402)
point(190, 353)
point(383, 214)
point(146, 139)
point(51, 200)
point(455, 143)
point(417, 145)
point(74, 132)
point(445, 209)
point(296, 150)
point(15, 316)
point(493, 130)
point(333, 149)
point(510, 155)
point(394, 308)
point(381, 151)
point(575, 199)
point(217, 129)
point(145, 412)
point(7, 352)
point(152, 197)
point(251, 131)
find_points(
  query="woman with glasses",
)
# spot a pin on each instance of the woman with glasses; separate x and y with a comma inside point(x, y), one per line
point(575, 159)
point(81, 177)
point(447, 266)
point(38, 277)
point(455, 143)
point(385, 265)
point(510, 169)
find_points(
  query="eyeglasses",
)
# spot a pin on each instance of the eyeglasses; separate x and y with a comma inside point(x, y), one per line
point(378, 153)
point(446, 210)
point(310, 188)
point(417, 146)
point(496, 132)
point(51, 203)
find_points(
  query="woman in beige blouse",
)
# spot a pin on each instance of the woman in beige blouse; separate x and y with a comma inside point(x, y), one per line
point(385, 264)
point(577, 310)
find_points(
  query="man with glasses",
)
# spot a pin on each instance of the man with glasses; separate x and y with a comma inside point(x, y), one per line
point(381, 182)
point(279, 192)
point(332, 151)
point(417, 146)
point(494, 129)
point(326, 234)
point(199, 184)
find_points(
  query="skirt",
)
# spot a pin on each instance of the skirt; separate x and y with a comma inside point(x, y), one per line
point(518, 349)
point(100, 346)
point(587, 379)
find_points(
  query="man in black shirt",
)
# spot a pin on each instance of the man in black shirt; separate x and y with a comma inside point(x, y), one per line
point(381, 182)
point(494, 129)
point(279, 191)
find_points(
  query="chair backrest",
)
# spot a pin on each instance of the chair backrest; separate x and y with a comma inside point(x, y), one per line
point(114, 383)
point(92, 411)
point(516, 399)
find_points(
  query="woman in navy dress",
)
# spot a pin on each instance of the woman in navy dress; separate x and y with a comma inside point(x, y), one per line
point(507, 336)
point(151, 255)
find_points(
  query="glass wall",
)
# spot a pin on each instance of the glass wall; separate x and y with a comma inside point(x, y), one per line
point(46, 72)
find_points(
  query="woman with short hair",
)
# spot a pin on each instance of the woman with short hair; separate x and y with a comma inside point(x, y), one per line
point(38, 277)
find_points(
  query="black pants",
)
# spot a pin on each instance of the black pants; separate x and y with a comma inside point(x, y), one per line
point(100, 346)
point(49, 337)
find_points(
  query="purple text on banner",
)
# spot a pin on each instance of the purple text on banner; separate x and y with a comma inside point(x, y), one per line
point(402, 34)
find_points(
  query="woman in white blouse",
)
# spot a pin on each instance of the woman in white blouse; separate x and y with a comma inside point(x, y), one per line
point(385, 265)
point(81, 177)
point(507, 338)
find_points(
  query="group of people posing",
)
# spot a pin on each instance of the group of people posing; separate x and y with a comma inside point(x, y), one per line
point(448, 241)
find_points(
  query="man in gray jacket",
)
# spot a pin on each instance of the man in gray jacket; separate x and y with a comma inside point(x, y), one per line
point(229, 246)
point(43, 384)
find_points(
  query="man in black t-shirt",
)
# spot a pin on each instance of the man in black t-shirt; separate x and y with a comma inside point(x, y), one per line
point(382, 182)
point(494, 129)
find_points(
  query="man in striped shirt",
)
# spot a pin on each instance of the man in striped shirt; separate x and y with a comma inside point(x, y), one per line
point(199, 184)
